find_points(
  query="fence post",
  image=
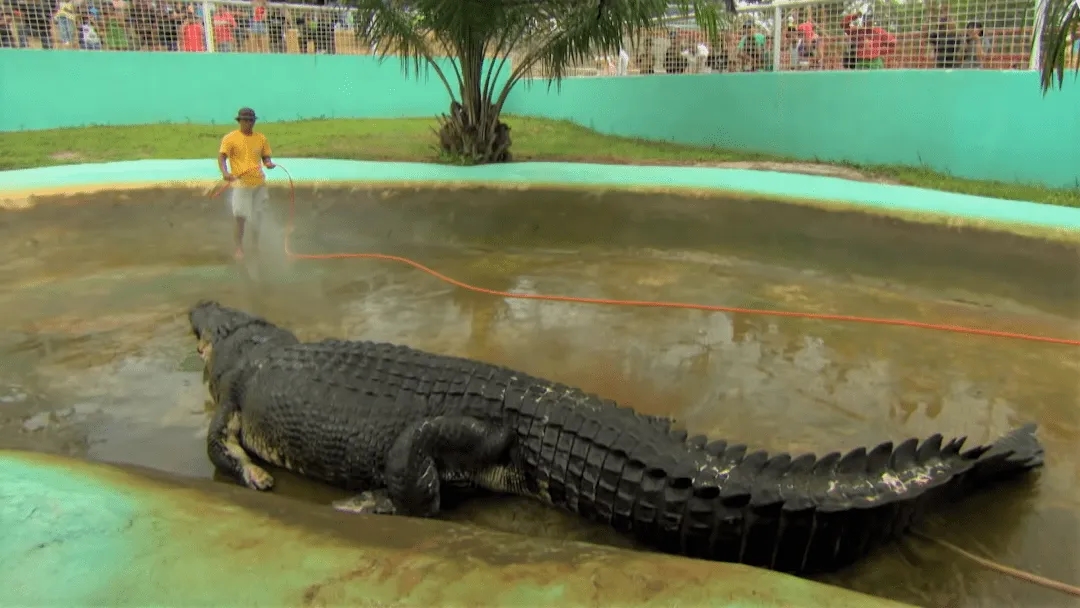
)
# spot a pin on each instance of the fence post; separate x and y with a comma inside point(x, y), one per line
point(1036, 42)
point(778, 37)
point(208, 25)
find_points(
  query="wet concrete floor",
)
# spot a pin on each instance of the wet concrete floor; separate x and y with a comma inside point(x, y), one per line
point(96, 359)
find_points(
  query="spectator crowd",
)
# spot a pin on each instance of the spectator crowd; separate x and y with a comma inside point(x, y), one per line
point(254, 26)
point(853, 41)
point(856, 42)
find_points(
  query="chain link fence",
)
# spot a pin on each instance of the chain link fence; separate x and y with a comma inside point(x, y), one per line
point(221, 26)
point(792, 35)
point(811, 35)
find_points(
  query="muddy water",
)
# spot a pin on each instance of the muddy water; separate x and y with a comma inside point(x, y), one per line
point(96, 359)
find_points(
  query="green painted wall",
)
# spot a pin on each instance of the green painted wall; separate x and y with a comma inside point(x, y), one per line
point(972, 123)
point(48, 89)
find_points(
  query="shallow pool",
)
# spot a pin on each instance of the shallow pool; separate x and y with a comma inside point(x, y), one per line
point(96, 358)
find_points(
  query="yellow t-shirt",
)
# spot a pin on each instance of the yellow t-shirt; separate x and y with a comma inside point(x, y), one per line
point(245, 153)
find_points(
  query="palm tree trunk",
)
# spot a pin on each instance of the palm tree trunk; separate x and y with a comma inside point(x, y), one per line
point(472, 133)
point(472, 139)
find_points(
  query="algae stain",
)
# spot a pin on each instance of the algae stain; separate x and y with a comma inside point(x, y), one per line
point(59, 527)
point(524, 594)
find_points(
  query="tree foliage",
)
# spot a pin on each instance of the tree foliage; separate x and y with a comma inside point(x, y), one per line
point(1057, 20)
point(468, 45)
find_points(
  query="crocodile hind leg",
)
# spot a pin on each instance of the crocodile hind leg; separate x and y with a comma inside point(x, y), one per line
point(228, 455)
point(460, 444)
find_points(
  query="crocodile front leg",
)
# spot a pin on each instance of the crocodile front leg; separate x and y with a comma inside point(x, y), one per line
point(226, 452)
point(455, 445)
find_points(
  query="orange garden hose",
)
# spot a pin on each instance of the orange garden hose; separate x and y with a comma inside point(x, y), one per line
point(639, 303)
point(1019, 574)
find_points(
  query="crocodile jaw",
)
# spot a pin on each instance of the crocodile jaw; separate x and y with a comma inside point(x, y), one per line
point(206, 353)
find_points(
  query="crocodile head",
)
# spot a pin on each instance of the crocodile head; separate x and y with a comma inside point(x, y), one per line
point(228, 337)
point(211, 323)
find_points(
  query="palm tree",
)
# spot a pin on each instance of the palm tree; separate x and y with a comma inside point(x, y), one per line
point(549, 35)
point(1056, 20)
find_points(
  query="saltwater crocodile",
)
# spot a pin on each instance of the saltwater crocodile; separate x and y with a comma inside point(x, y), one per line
point(399, 426)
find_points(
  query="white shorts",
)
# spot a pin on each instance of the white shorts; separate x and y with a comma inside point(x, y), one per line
point(248, 201)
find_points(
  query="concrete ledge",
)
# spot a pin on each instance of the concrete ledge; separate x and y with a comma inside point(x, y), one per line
point(902, 201)
point(79, 534)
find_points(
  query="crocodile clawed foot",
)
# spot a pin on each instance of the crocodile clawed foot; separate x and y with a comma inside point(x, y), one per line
point(256, 478)
point(377, 503)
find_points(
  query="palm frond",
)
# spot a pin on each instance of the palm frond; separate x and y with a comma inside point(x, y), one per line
point(1055, 21)
point(573, 31)
point(398, 29)
point(552, 34)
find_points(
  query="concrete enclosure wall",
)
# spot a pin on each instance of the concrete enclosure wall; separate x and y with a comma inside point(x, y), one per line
point(50, 89)
point(978, 124)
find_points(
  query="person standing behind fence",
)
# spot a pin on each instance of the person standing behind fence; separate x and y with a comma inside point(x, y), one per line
point(246, 152)
point(66, 19)
point(946, 41)
point(1076, 46)
point(808, 42)
point(224, 27)
point(172, 19)
point(869, 44)
point(192, 34)
point(275, 29)
point(258, 27)
point(325, 40)
point(976, 46)
point(753, 49)
point(623, 65)
point(38, 21)
point(7, 34)
point(116, 34)
point(88, 37)
point(305, 31)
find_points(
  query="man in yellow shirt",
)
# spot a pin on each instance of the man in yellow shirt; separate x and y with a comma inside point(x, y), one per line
point(246, 152)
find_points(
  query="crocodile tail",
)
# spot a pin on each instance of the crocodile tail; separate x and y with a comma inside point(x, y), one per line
point(1016, 452)
point(808, 515)
point(717, 501)
point(805, 515)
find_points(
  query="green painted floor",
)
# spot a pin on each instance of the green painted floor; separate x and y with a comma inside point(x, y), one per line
point(79, 534)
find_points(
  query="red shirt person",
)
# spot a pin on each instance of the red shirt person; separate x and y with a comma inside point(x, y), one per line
point(192, 35)
point(869, 44)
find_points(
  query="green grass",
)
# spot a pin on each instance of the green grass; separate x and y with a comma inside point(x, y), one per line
point(411, 139)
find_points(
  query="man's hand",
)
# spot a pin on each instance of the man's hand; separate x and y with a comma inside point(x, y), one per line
point(229, 177)
point(269, 164)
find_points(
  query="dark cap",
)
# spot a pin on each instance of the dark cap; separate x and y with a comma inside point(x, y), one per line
point(245, 113)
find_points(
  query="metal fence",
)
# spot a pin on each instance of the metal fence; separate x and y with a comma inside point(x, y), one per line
point(787, 35)
point(222, 26)
point(873, 34)
point(809, 35)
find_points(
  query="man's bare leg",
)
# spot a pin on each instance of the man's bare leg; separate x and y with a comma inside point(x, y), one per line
point(238, 236)
point(255, 239)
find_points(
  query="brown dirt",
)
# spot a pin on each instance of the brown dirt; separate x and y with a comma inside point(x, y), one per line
point(823, 170)
point(803, 168)
point(67, 157)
